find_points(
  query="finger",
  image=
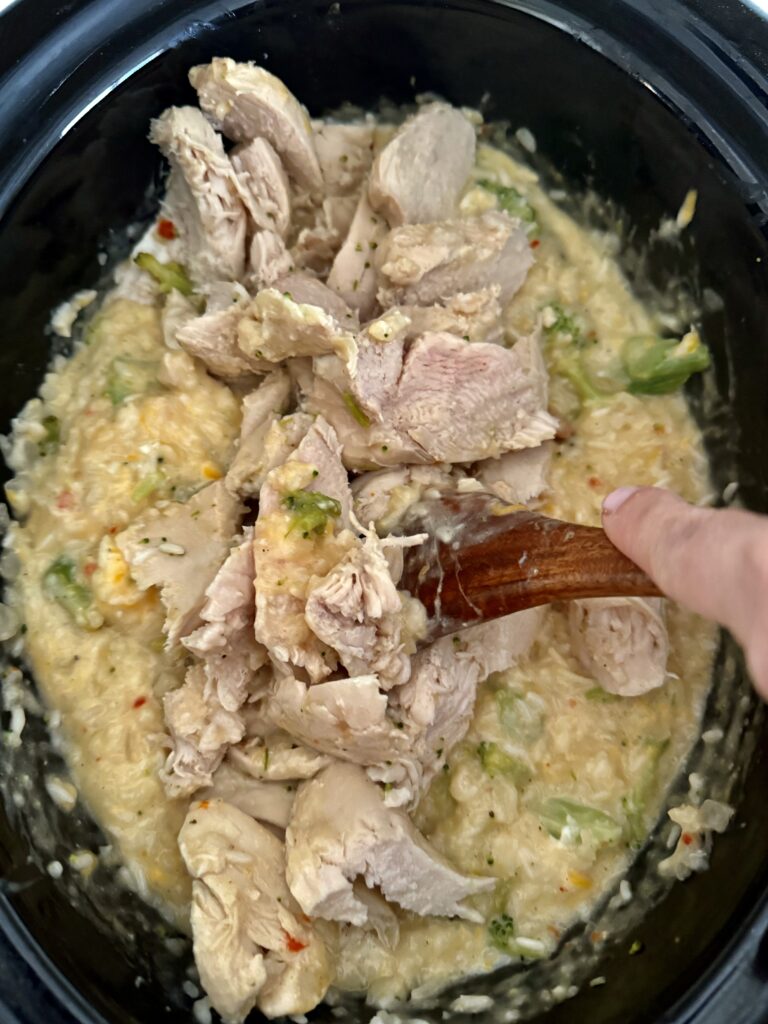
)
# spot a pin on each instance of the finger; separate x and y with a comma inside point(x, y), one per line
point(714, 561)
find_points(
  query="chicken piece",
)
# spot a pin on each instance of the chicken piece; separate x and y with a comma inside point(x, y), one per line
point(268, 259)
point(212, 338)
point(346, 718)
point(517, 477)
point(203, 199)
point(420, 174)
point(252, 946)
point(461, 402)
point(179, 549)
point(225, 642)
point(245, 102)
point(201, 731)
point(621, 641)
point(356, 610)
point(264, 184)
point(277, 757)
point(474, 316)
point(296, 540)
point(307, 290)
point(422, 264)
point(353, 275)
point(270, 802)
point(276, 327)
point(345, 152)
point(326, 852)
point(262, 409)
point(318, 243)
point(383, 497)
point(437, 703)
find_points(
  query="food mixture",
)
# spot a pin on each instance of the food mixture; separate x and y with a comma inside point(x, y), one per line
point(326, 324)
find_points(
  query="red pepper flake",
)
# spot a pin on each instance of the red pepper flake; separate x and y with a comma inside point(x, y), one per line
point(535, 243)
point(595, 481)
point(90, 568)
point(166, 229)
point(292, 944)
point(65, 500)
point(562, 888)
point(140, 702)
point(113, 530)
point(572, 702)
point(687, 838)
point(204, 805)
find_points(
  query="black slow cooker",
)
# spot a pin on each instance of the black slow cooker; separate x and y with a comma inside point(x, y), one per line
point(639, 100)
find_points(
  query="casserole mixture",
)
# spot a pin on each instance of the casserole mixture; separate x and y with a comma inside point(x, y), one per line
point(326, 323)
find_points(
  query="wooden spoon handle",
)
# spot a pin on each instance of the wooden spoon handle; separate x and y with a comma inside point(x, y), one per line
point(484, 560)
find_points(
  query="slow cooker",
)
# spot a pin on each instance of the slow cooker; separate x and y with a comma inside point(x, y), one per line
point(636, 100)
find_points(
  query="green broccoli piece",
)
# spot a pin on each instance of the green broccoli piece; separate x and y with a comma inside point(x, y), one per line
point(659, 366)
point(52, 439)
point(601, 696)
point(354, 409)
point(148, 485)
point(496, 761)
point(635, 804)
point(128, 377)
point(514, 203)
point(167, 275)
point(61, 582)
point(518, 717)
point(311, 511)
point(501, 930)
point(560, 815)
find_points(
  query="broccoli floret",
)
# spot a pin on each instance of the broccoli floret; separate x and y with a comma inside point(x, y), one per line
point(310, 511)
point(167, 275)
point(62, 584)
point(501, 930)
point(659, 366)
point(354, 409)
point(514, 203)
point(562, 817)
point(496, 761)
point(128, 377)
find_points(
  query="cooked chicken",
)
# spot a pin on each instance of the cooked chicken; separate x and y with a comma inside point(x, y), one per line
point(346, 718)
point(474, 316)
point(296, 539)
point(384, 496)
point(353, 274)
point(262, 410)
point(264, 184)
point(517, 477)
point(307, 290)
point(270, 802)
point(201, 731)
point(252, 945)
point(318, 243)
point(277, 757)
point(246, 102)
point(180, 548)
point(225, 642)
point(622, 642)
point(326, 852)
point(345, 152)
point(204, 199)
point(421, 264)
point(420, 174)
point(268, 260)
point(275, 327)
point(356, 610)
point(212, 338)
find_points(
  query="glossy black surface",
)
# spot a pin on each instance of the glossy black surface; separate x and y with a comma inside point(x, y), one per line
point(669, 104)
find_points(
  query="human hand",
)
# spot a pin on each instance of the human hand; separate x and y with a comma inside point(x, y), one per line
point(713, 561)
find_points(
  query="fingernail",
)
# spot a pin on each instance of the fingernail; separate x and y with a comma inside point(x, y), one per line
point(613, 501)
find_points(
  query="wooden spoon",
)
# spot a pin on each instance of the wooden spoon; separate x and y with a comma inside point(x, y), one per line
point(484, 559)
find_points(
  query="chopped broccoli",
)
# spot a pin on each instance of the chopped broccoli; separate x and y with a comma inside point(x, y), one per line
point(635, 804)
point(128, 377)
point(565, 818)
point(167, 275)
point(514, 203)
point(601, 696)
point(518, 717)
point(354, 409)
point(52, 438)
point(148, 485)
point(500, 930)
point(563, 322)
point(311, 511)
point(61, 583)
point(659, 366)
point(496, 761)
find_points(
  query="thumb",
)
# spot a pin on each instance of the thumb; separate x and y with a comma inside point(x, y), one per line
point(713, 561)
